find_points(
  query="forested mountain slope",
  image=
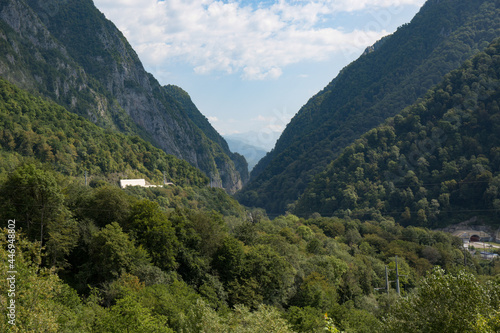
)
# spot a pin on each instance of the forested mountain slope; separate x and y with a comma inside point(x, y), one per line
point(34, 127)
point(399, 69)
point(436, 163)
point(189, 258)
point(202, 122)
point(68, 51)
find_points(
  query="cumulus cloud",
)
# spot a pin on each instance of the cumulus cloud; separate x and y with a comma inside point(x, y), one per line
point(242, 37)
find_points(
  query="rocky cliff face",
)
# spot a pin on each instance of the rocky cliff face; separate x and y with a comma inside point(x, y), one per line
point(240, 163)
point(31, 58)
point(69, 52)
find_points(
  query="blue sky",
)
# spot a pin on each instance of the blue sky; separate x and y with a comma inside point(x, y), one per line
point(251, 65)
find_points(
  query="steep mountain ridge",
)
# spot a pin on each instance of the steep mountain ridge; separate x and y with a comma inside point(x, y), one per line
point(378, 85)
point(252, 153)
point(69, 52)
point(434, 164)
point(33, 127)
point(202, 122)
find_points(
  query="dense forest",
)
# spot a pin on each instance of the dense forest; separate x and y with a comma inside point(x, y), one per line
point(358, 252)
point(69, 52)
point(434, 164)
point(103, 259)
point(39, 128)
point(189, 258)
point(393, 74)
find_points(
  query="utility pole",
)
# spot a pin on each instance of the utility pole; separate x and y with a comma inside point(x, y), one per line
point(465, 257)
point(85, 178)
point(164, 178)
point(397, 278)
point(386, 280)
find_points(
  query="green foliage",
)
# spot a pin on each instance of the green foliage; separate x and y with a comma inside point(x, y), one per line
point(196, 198)
point(265, 319)
point(202, 278)
point(155, 233)
point(111, 252)
point(103, 205)
point(43, 303)
point(128, 315)
point(272, 273)
point(35, 127)
point(33, 292)
point(34, 197)
point(447, 303)
point(191, 259)
point(432, 165)
point(228, 259)
point(330, 326)
point(73, 55)
point(379, 84)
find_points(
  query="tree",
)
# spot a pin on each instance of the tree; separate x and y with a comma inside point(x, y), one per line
point(108, 204)
point(112, 252)
point(33, 197)
point(266, 319)
point(446, 303)
point(228, 259)
point(43, 303)
point(155, 232)
point(273, 273)
point(129, 315)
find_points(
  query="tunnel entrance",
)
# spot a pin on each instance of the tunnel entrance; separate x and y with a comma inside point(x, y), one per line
point(474, 238)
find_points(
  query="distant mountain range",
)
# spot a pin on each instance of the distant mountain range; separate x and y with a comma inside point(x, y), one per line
point(240, 145)
point(264, 139)
point(69, 52)
point(391, 75)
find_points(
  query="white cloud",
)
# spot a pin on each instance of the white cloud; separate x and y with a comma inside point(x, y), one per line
point(263, 118)
point(275, 121)
point(273, 128)
point(213, 119)
point(233, 37)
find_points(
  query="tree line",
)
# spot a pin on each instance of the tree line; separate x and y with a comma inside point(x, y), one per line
point(103, 259)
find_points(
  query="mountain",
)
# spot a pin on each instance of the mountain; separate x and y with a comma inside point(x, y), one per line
point(388, 77)
point(69, 52)
point(220, 147)
point(264, 139)
point(251, 153)
point(435, 163)
point(40, 129)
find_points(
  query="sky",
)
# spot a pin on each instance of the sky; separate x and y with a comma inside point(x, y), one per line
point(249, 66)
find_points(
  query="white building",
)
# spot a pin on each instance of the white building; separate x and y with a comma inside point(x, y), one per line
point(138, 182)
point(132, 182)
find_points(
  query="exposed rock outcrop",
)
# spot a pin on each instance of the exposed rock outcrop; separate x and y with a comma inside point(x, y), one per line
point(69, 52)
